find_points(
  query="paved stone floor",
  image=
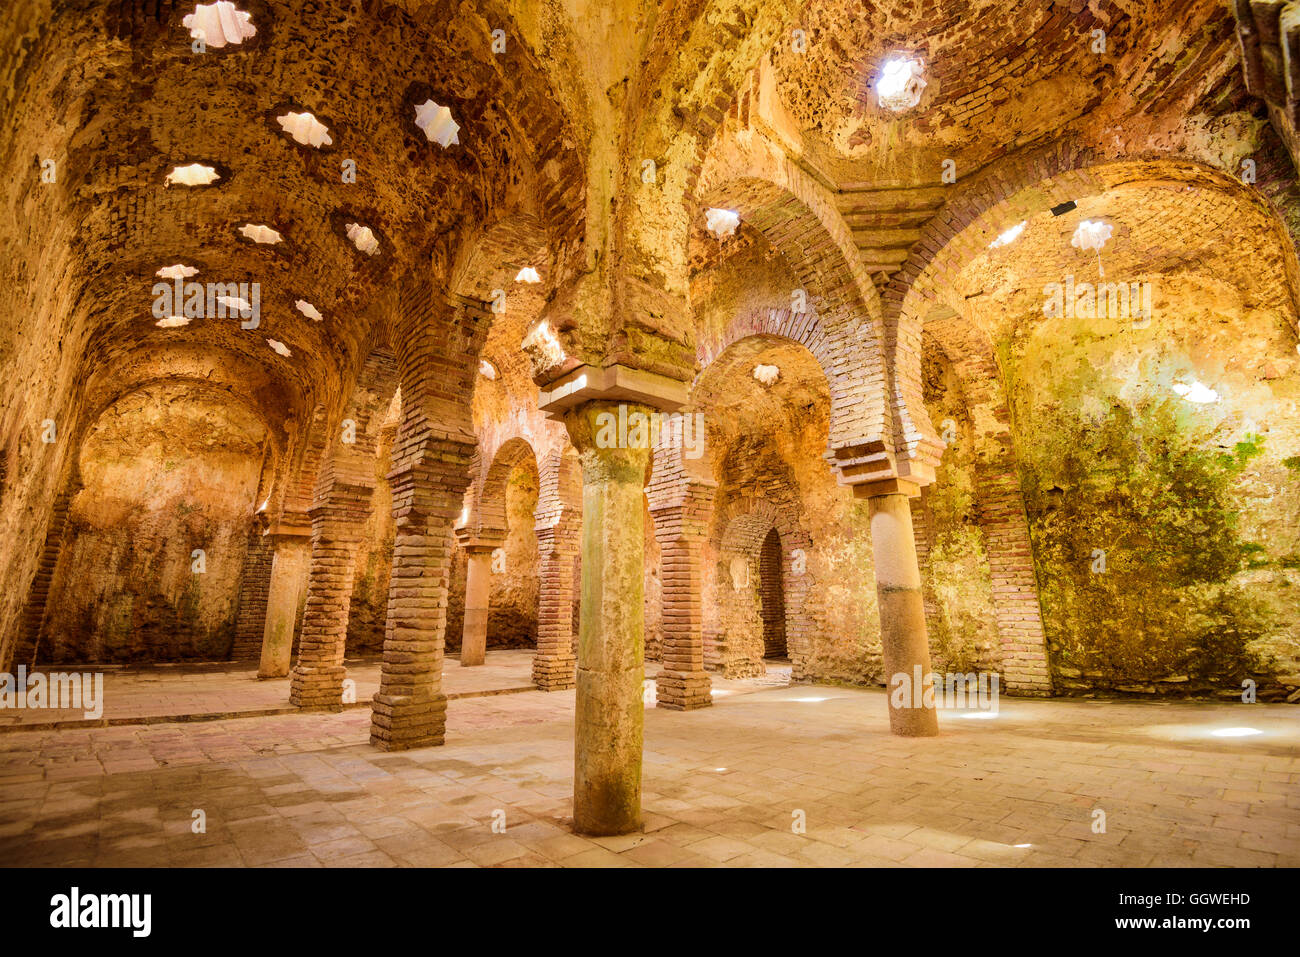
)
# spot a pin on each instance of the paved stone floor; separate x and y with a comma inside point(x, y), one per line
point(723, 786)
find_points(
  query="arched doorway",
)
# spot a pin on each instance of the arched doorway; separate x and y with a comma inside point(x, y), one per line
point(771, 594)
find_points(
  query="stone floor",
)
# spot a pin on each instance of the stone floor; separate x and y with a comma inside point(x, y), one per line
point(725, 786)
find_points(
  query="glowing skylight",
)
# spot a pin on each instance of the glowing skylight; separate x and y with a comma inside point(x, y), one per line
point(172, 322)
point(196, 174)
point(901, 84)
point(305, 129)
point(437, 123)
point(363, 238)
point(486, 369)
point(528, 274)
point(260, 234)
point(721, 222)
point(308, 310)
point(179, 271)
point(766, 374)
point(279, 347)
point(217, 24)
point(1196, 392)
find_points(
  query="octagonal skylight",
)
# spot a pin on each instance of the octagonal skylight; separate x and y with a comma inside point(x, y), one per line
point(178, 271)
point(437, 123)
point(260, 234)
point(528, 274)
point(308, 310)
point(305, 129)
point(219, 23)
point(486, 369)
point(279, 347)
point(172, 322)
point(195, 174)
point(363, 238)
point(900, 84)
point(766, 374)
point(721, 222)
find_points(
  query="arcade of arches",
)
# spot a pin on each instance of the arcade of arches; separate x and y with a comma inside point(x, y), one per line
point(908, 416)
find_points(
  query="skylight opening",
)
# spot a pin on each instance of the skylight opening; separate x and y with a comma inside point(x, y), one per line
point(219, 23)
point(721, 222)
point(437, 124)
point(305, 129)
point(195, 174)
point(363, 237)
point(528, 274)
point(486, 369)
point(178, 271)
point(767, 374)
point(308, 310)
point(279, 347)
point(1009, 236)
point(260, 234)
point(900, 84)
point(1196, 392)
point(172, 322)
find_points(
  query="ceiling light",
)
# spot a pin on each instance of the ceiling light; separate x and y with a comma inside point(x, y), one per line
point(1009, 236)
point(766, 374)
point(1196, 392)
point(528, 274)
point(721, 222)
point(178, 271)
point(901, 83)
point(196, 174)
point(363, 238)
point(305, 129)
point(172, 322)
point(1235, 732)
point(437, 123)
point(279, 347)
point(260, 234)
point(308, 310)
point(217, 24)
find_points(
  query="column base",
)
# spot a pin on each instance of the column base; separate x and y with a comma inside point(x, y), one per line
point(400, 722)
point(317, 688)
point(555, 672)
point(683, 690)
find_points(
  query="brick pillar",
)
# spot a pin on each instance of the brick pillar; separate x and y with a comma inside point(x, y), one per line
point(683, 684)
point(478, 589)
point(609, 713)
point(428, 487)
point(284, 598)
point(337, 526)
point(1015, 588)
point(254, 586)
point(902, 615)
point(557, 547)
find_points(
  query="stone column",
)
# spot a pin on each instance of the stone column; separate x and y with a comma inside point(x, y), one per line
point(428, 485)
point(554, 663)
point(478, 587)
point(902, 614)
point(611, 641)
point(284, 599)
point(318, 675)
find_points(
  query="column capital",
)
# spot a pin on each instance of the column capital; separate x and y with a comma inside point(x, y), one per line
point(615, 383)
point(480, 541)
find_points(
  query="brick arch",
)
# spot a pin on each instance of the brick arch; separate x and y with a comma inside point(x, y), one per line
point(492, 258)
point(487, 511)
point(994, 199)
point(745, 524)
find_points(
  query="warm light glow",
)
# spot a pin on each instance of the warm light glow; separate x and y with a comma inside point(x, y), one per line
point(721, 222)
point(437, 123)
point(901, 84)
point(172, 322)
point(486, 369)
point(766, 374)
point(1235, 732)
point(279, 347)
point(1196, 392)
point(1009, 236)
point(196, 174)
point(528, 274)
point(978, 714)
point(1091, 234)
point(178, 271)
